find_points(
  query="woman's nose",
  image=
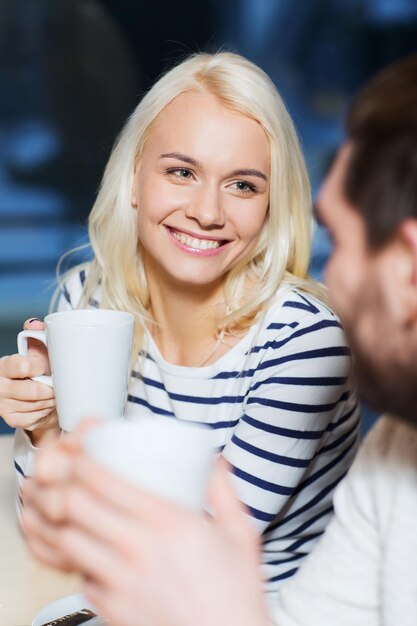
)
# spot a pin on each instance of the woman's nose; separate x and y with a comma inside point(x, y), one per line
point(206, 208)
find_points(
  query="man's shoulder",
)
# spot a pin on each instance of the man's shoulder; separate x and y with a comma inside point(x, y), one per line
point(392, 435)
point(387, 461)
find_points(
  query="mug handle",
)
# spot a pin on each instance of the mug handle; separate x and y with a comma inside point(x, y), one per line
point(22, 347)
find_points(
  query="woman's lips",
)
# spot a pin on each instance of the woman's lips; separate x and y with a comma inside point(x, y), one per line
point(202, 246)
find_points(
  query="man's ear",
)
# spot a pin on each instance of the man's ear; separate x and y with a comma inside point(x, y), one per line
point(407, 236)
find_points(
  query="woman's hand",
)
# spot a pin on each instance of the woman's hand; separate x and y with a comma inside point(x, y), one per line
point(144, 559)
point(25, 403)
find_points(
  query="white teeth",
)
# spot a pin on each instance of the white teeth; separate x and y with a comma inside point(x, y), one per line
point(197, 244)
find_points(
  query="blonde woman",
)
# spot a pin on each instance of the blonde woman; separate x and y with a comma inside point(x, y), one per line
point(202, 230)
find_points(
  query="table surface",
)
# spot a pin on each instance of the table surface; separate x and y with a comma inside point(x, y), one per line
point(25, 586)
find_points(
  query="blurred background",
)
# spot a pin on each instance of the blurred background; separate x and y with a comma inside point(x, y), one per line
point(72, 70)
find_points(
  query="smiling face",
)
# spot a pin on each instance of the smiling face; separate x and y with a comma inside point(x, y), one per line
point(201, 189)
point(374, 293)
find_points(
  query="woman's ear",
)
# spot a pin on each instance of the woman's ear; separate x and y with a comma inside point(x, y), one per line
point(133, 191)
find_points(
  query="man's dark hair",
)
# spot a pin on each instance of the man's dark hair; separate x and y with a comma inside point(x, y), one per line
point(381, 180)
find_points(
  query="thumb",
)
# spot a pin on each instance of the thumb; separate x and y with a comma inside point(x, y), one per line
point(228, 511)
point(35, 346)
point(226, 508)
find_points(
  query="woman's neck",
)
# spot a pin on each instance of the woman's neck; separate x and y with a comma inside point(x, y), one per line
point(186, 322)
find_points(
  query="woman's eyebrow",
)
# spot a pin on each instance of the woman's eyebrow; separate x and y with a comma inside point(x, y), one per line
point(181, 157)
point(249, 172)
point(187, 159)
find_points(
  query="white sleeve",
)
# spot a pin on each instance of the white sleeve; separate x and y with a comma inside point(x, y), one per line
point(337, 583)
point(24, 458)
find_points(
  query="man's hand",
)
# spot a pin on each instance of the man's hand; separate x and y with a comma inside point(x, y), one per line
point(144, 559)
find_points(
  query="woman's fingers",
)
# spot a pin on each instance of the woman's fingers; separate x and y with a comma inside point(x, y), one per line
point(28, 390)
point(33, 324)
point(18, 366)
point(24, 402)
point(11, 406)
point(36, 347)
point(31, 421)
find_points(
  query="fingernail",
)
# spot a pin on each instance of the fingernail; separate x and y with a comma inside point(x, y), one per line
point(34, 319)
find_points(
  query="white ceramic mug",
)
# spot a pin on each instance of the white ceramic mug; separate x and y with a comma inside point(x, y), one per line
point(89, 353)
point(167, 456)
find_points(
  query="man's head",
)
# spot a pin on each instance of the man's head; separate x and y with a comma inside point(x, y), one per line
point(369, 204)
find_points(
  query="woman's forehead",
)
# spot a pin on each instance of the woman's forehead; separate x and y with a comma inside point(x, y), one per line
point(200, 122)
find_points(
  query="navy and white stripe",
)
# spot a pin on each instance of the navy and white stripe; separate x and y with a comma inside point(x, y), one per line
point(283, 412)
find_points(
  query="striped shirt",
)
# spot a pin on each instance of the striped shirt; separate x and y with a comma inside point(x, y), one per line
point(283, 412)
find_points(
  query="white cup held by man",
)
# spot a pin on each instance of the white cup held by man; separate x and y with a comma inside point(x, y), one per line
point(89, 352)
point(169, 457)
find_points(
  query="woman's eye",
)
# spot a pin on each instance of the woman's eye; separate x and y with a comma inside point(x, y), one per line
point(244, 187)
point(180, 172)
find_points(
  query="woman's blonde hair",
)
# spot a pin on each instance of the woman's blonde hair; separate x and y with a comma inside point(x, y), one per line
point(282, 252)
